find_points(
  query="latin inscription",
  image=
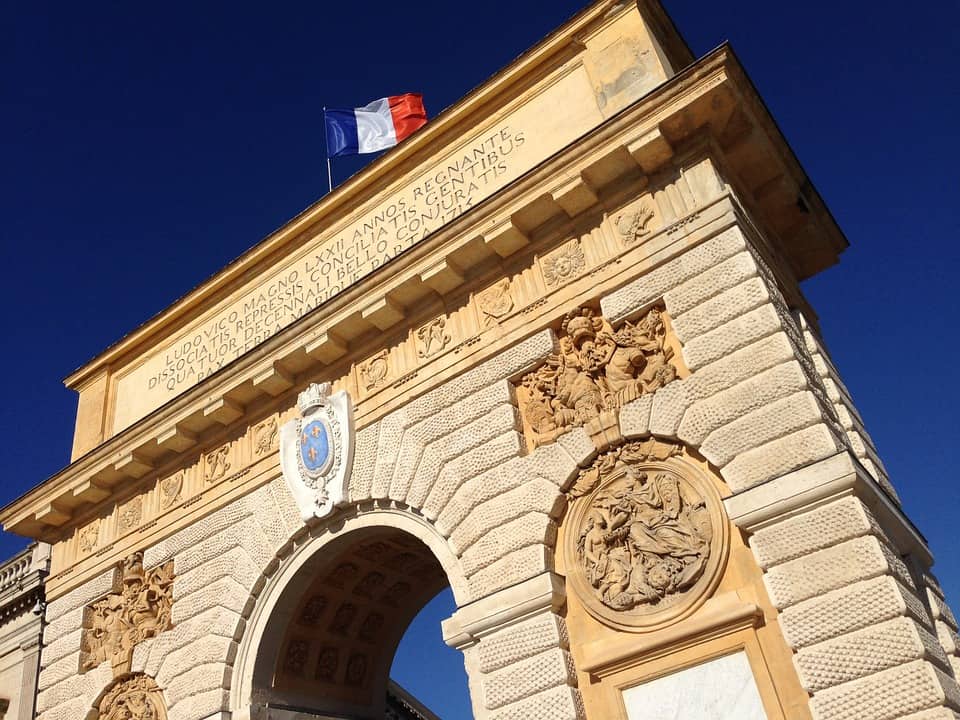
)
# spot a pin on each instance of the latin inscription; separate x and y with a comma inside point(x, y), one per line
point(328, 264)
point(436, 200)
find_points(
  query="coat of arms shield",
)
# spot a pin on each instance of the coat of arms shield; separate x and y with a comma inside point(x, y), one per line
point(316, 450)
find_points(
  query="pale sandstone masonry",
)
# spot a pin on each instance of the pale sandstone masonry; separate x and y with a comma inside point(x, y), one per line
point(761, 402)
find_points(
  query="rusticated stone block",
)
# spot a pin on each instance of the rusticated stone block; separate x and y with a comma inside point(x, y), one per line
point(559, 703)
point(948, 637)
point(520, 641)
point(864, 652)
point(635, 417)
point(511, 569)
point(720, 277)
point(779, 457)
point(705, 416)
point(820, 528)
point(887, 695)
point(528, 677)
point(536, 495)
point(773, 421)
point(530, 529)
point(718, 310)
point(734, 335)
point(824, 570)
point(651, 286)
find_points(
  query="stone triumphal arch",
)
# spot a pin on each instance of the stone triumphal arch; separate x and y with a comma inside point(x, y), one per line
point(552, 352)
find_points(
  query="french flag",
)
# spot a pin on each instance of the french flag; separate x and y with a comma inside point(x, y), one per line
point(377, 126)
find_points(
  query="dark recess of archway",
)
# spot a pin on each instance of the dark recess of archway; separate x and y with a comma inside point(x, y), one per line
point(331, 638)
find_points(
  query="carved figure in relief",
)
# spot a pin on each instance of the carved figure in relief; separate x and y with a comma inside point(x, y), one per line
point(564, 264)
point(170, 489)
point(130, 514)
point(141, 609)
point(218, 462)
point(133, 698)
point(646, 537)
point(597, 369)
point(265, 436)
point(89, 537)
point(634, 225)
point(374, 371)
point(433, 337)
point(495, 302)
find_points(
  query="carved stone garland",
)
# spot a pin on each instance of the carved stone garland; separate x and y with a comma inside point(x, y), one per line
point(596, 372)
point(133, 698)
point(140, 608)
point(647, 536)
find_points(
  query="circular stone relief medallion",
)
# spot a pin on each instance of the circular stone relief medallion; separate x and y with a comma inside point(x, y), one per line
point(648, 545)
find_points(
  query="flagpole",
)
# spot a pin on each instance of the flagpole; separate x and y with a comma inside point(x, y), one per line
point(327, 149)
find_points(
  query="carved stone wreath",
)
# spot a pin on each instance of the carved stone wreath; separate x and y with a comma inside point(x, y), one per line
point(648, 538)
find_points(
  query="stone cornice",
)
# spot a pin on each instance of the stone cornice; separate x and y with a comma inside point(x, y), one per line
point(623, 152)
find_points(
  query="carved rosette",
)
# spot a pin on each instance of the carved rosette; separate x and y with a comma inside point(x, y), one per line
point(647, 537)
point(596, 371)
point(136, 697)
point(140, 608)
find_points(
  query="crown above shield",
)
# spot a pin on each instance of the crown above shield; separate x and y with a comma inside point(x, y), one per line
point(314, 396)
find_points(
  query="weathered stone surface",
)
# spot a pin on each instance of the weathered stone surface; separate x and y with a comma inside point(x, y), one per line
point(776, 458)
point(520, 641)
point(864, 652)
point(887, 695)
point(831, 568)
point(527, 677)
point(651, 286)
point(820, 528)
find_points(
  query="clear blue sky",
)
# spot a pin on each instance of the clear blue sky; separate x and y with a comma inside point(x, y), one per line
point(144, 146)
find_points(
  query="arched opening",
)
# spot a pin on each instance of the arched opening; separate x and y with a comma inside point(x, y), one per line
point(327, 645)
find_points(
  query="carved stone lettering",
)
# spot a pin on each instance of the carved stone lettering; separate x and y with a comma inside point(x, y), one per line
point(495, 302)
point(115, 624)
point(596, 372)
point(133, 698)
point(432, 337)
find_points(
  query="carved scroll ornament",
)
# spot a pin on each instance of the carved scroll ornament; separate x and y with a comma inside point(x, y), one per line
point(647, 537)
point(133, 698)
point(596, 371)
point(140, 609)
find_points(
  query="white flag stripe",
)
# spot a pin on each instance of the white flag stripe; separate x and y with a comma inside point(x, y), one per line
point(375, 129)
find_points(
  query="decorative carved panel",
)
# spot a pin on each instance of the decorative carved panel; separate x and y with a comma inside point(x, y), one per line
point(133, 698)
point(432, 337)
point(596, 371)
point(140, 608)
point(564, 265)
point(647, 536)
point(374, 372)
point(495, 302)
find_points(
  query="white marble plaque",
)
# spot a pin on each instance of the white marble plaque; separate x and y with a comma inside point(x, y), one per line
point(720, 689)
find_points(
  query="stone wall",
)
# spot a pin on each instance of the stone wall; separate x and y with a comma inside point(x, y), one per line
point(761, 402)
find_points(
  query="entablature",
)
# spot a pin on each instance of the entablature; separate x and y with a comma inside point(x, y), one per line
point(612, 206)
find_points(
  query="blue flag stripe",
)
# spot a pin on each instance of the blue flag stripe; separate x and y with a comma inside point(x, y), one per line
point(341, 128)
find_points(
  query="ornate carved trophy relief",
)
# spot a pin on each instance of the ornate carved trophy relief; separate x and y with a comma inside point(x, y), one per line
point(647, 536)
point(596, 371)
point(316, 450)
point(140, 608)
